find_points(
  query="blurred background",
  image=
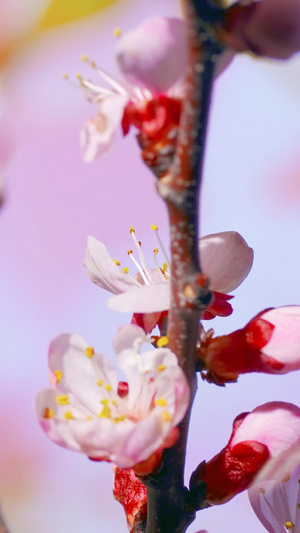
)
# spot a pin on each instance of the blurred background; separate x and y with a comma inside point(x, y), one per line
point(52, 201)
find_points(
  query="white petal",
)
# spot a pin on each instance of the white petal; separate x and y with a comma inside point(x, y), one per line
point(98, 134)
point(80, 374)
point(146, 299)
point(102, 269)
point(226, 258)
point(127, 337)
point(153, 55)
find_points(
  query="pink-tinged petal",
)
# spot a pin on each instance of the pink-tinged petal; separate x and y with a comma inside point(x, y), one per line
point(102, 269)
point(153, 55)
point(274, 424)
point(274, 495)
point(284, 344)
point(76, 371)
point(129, 337)
point(146, 299)
point(226, 258)
point(58, 431)
point(98, 134)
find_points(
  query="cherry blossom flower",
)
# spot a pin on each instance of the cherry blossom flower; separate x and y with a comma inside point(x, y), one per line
point(275, 493)
point(257, 437)
point(225, 257)
point(268, 343)
point(86, 411)
point(151, 59)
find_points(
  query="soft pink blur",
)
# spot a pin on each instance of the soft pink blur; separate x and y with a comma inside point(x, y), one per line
point(54, 201)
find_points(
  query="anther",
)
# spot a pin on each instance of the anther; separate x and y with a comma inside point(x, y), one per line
point(62, 400)
point(117, 32)
point(48, 413)
point(131, 230)
point(129, 252)
point(162, 341)
point(59, 375)
point(154, 227)
point(125, 270)
point(83, 57)
point(117, 262)
point(161, 402)
point(289, 525)
point(89, 352)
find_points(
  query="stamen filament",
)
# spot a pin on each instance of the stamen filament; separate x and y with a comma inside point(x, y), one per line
point(138, 266)
point(108, 79)
point(145, 266)
point(161, 246)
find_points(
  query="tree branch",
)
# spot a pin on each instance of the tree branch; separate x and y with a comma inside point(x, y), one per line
point(168, 509)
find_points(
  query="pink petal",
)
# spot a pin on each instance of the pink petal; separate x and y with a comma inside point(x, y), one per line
point(275, 424)
point(102, 269)
point(98, 134)
point(67, 354)
point(58, 432)
point(128, 337)
point(226, 258)
point(284, 344)
point(279, 478)
point(146, 299)
point(153, 55)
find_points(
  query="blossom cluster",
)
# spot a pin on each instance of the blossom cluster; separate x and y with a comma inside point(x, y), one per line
point(93, 410)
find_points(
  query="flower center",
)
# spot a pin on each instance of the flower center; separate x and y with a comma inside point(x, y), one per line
point(145, 275)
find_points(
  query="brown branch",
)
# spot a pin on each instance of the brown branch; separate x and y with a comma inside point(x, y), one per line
point(168, 508)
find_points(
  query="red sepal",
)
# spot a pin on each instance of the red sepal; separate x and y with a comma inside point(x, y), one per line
point(131, 493)
point(231, 471)
point(219, 306)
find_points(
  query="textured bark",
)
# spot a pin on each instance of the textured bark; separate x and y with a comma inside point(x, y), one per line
point(169, 510)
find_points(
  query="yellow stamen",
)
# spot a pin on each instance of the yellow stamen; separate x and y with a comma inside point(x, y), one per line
point(49, 413)
point(105, 413)
point(83, 57)
point(162, 341)
point(166, 416)
point(114, 402)
point(161, 368)
point(119, 419)
point(62, 400)
point(164, 266)
point(125, 270)
point(117, 262)
point(92, 64)
point(161, 402)
point(78, 76)
point(66, 76)
point(89, 352)
point(69, 416)
point(289, 525)
point(59, 375)
point(105, 401)
point(99, 382)
point(131, 230)
point(108, 387)
point(117, 32)
point(154, 227)
point(155, 251)
point(129, 252)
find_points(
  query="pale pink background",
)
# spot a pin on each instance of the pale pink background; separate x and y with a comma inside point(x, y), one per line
point(54, 200)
